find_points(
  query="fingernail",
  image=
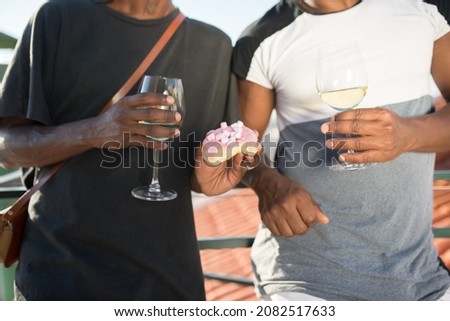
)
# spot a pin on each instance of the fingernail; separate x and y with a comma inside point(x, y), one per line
point(329, 143)
point(342, 158)
point(322, 217)
point(177, 132)
point(325, 128)
point(170, 99)
point(177, 116)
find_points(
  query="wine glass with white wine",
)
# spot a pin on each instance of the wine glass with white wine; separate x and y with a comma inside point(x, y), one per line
point(172, 87)
point(342, 84)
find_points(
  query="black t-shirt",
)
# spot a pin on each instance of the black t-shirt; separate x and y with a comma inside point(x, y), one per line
point(275, 19)
point(87, 237)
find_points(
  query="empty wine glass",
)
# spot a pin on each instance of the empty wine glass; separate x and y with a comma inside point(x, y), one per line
point(342, 84)
point(172, 87)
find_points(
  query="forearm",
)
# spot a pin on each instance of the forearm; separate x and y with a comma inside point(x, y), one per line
point(33, 145)
point(431, 133)
point(25, 144)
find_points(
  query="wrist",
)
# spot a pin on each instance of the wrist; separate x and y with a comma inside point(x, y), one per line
point(254, 177)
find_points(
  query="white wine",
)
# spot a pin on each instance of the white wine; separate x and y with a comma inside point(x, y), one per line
point(345, 98)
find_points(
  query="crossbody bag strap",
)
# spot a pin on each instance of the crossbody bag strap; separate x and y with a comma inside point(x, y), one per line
point(137, 74)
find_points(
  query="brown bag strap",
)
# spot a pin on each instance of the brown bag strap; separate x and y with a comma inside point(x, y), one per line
point(137, 74)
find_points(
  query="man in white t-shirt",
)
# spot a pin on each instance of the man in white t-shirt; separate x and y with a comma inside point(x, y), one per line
point(355, 235)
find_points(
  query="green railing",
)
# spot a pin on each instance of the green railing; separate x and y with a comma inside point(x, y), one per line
point(217, 243)
point(442, 174)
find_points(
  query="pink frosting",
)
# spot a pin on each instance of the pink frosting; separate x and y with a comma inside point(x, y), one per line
point(223, 143)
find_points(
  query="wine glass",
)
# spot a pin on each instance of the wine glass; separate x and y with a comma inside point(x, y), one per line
point(172, 87)
point(342, 84)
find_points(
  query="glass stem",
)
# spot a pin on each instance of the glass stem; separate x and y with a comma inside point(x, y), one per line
point(154, 186)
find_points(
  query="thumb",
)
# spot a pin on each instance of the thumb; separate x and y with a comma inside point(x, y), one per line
point(322, 218)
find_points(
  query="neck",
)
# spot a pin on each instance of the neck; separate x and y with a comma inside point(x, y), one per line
point(326, 6)
point(143, 9)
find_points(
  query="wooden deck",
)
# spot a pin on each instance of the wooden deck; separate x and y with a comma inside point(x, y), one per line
point(232, 214)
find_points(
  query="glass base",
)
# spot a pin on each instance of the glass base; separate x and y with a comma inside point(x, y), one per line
point(350, 167)
point(163, 194)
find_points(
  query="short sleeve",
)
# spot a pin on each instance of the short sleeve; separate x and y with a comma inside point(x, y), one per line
point(250, 63)
point(436, 19)
point(259, 69)
point(443, 6)
point(27, 83)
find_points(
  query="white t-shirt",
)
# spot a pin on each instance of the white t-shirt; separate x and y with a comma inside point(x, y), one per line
point(378, 244)
point(391, 35)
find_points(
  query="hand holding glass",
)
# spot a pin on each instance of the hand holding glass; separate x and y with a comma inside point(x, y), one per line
point(174, 88)
point(341, 83)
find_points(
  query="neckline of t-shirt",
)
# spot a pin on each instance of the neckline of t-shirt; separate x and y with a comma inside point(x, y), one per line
point(302, 10)
point(147, 22)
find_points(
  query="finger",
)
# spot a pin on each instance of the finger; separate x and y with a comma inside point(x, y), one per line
point(355, 127)
point(297, 225)
point(289, 230)
point(359, 121)
point(273, 228)
point(369, 114)
point(266, 219)
point(368, 156)
point(275, 220)
point(147, 100)
point(293, 220)
point(311, 214)
point(151, 131)
point(251, 162)
point(322, 218)
point(156, 115)
point(282, 228)
point(240, 165)
point(358, 143)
